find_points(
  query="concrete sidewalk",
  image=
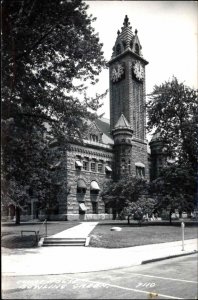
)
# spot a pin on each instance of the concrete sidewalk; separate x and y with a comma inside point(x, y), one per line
point(62, 260)
point(79, 231)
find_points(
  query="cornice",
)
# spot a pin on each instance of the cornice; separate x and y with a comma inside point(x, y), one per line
point(127, 51)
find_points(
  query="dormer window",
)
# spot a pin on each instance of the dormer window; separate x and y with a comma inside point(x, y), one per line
point(124, 44)
point(137, 49)
point(94, 137)
point(118, 49)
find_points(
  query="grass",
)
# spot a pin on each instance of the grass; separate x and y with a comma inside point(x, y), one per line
point(131, 235)
point(11, 233)
point(101, 235)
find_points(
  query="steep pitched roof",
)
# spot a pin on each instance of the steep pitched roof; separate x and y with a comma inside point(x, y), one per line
point(104, 125)
point(122, 122)
point(94, 128)
point(126, 40)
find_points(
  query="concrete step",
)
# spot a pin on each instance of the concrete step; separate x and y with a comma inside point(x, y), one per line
point(64, 239)
point(64, 242)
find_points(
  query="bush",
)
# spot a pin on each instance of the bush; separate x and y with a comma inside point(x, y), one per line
point(165, 215)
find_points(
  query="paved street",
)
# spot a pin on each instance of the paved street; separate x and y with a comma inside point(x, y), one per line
point(168, 279)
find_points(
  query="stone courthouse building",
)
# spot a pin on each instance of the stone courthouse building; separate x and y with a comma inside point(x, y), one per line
point(113, 148)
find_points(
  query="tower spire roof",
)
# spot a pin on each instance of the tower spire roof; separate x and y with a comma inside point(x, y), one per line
point(127, 40)
point(126, 21)
point(122, 122)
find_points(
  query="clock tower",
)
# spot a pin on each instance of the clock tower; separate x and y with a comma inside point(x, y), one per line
point(127, 93)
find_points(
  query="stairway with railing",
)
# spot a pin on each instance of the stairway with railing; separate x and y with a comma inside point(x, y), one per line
point(75, 236)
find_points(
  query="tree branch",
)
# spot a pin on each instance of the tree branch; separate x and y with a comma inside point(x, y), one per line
point(38, 116)
point(26, 52)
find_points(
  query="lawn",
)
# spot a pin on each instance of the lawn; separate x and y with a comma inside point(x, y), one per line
point(101, 235)
point(11, 233)
point(131, 235)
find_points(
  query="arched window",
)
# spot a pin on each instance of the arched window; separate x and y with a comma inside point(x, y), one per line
point(118, 49)
point(140, 169)
point(123, 165)
point(94, 188)
point(129, 165)
point(124, 44)
point(137, 49)
point(81, 186)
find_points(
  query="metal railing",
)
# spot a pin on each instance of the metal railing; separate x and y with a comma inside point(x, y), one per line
point(43, 229)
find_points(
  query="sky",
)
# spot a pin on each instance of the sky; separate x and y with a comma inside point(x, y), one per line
point(167, 31)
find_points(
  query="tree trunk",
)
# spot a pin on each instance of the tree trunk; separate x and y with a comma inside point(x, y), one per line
point(128, 219)
point(17, 214)
point(114, 214)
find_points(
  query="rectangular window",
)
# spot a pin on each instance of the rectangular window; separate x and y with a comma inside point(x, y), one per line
point(85, 165)
point(100, 168)
point(93, 166)
point(140, 172)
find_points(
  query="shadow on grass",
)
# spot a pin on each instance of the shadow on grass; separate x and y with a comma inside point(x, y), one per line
point(11, 233)
point(16, 241)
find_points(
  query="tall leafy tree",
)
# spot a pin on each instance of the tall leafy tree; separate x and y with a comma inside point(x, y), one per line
point(173, 109)
point(127, 197)
point(50, 53)
point(175, 189)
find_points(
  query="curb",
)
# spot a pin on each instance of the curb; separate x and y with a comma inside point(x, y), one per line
point(167, 257)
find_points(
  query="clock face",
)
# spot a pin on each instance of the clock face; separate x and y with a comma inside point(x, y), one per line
point(117, 73)
point(138, 70)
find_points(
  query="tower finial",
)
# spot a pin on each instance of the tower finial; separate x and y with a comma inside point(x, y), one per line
point(136, 31)
point(126, 21)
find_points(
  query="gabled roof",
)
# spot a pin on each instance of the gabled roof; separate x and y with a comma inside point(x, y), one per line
point(95, 128)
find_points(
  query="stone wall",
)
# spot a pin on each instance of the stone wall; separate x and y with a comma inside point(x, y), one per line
point(89, 154)
point(139, 154)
